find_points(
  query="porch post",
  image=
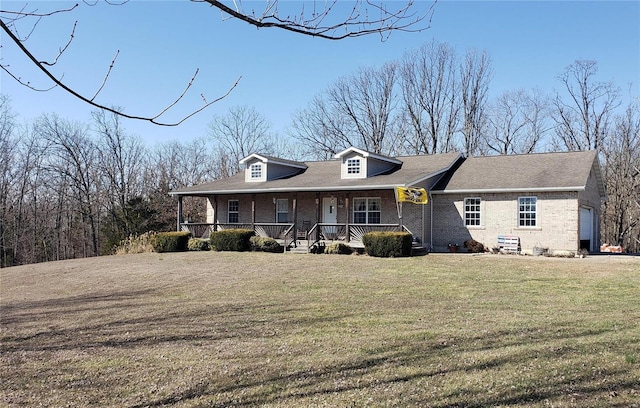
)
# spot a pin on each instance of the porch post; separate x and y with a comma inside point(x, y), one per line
point(295, 213)
point(215, 212)
point(346, 204)
point(179, 212)
point(317, 214)
point(253, 211)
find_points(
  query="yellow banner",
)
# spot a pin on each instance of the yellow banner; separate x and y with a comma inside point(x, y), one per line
point(412, 195)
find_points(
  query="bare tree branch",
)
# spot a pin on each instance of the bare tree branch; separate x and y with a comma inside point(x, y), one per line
point(355, 25)
point(152, 119)
point(63, 49)
point(365, 18)
point(104, 81)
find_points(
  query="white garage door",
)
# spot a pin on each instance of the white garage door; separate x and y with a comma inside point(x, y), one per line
point(586, 228)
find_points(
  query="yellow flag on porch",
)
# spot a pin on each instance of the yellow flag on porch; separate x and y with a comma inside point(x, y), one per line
point(412, 195)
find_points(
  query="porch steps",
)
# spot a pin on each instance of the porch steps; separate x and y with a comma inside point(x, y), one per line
point(418, 250)
point(302, 248)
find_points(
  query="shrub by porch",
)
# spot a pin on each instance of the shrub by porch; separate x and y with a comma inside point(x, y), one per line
point(387, 244)
point(231, 240)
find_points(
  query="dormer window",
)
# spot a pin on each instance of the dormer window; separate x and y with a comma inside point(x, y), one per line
point(256, 171)
point(353, 166)
point(359, 164)
point(259, 168)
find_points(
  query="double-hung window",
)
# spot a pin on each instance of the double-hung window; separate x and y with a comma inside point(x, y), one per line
point(472, 212)
point(233, 212)
point(366, 210)
point(527, 212)
point(282, 210)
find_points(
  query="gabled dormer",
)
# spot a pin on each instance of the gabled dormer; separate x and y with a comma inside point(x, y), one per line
point(258, 167)
point(358, 164)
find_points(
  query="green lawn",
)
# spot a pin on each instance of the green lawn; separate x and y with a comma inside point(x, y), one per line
point(204, 329)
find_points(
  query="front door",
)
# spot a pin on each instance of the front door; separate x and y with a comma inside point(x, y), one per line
point(329, 216)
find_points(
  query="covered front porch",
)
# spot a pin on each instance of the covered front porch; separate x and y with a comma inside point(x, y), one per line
point(305, 219)
point(289, 236)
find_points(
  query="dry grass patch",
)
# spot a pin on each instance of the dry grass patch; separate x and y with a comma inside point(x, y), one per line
point(205, 329)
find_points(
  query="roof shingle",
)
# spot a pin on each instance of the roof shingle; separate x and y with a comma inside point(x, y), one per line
point(533, 172)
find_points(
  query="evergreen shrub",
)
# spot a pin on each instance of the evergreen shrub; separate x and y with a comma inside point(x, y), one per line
point(338, 248)
point(175, 241)
point(265, 244)
point(197, 244)
point(387, 244)
point(231, 240)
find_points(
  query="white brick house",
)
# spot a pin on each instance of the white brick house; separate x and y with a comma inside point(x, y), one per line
point(550, 200)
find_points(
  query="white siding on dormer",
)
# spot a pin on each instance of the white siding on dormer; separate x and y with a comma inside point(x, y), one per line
point(344, 168)
point(255, 167)
point(369, 166)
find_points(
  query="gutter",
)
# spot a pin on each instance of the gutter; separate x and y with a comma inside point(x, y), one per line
point(287, 190)
point(510, 190)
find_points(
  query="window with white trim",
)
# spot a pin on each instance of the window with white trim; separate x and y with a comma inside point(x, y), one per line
point(282, 210)
point(353, 166)
point(233, 213)
point(256, 171)
point(472, 211)
point(366, 210)
point(527, 211)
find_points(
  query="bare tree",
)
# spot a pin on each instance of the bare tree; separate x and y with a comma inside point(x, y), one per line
point(356, 110)
point(239, 133)
point(71, 158)
point(121, 164)
point(328, 20)
point(475, 75)
point(321, 133)
point(621, 153)
point(8, 167)
point(430, 95)
point(583, 118)
point(516, 122)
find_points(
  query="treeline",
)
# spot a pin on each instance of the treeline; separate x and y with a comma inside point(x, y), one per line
point(72, 189)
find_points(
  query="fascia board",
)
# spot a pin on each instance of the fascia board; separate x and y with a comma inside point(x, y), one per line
point(268, 160)
point(253, 156)
point(364, 153)
point(509, 190)
point(284, 190)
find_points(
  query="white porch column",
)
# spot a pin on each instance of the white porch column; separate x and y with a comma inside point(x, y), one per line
point(179, 212)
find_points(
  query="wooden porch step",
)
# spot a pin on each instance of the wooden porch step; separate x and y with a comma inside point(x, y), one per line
point(300, 249)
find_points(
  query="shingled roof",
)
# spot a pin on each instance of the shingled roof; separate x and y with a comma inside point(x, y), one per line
point(567, 171)
point(325, 176)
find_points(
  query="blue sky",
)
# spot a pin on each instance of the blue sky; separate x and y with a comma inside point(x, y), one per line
point(161, 43)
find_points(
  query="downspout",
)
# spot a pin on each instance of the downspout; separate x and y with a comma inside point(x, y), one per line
point(422, 224)
point(430, 222)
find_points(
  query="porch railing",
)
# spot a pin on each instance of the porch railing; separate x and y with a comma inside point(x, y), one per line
point(286, 231)
point(352, 233)
point(263, 229)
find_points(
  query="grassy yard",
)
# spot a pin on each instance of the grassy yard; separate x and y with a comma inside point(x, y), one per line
point(223, 329)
